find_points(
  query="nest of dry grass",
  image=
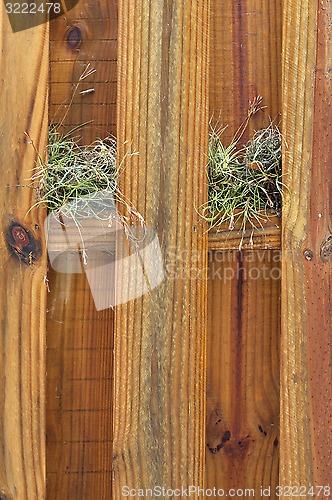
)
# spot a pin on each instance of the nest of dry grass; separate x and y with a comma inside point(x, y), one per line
point(70, 182)
point(245, 183)
point(73, 172)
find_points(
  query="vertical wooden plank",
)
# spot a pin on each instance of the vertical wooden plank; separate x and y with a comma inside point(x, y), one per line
point(245, 61)
point(306, 376)
point(243, 325)
point(80, 338)
point(243, 370)
point(23, 101)
point(159, 403)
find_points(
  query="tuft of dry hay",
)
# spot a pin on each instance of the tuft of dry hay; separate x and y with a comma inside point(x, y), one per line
point(69, 183)
point(72, 172)
point(245, 183)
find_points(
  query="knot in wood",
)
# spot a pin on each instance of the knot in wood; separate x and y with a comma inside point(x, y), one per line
point(22, 244)
point(74, 37)
point(326, 249)
point(20, 236)
point(308, 254)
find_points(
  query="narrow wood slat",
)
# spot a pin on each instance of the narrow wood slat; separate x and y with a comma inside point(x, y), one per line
point(306, 375)
point(159, 403)
point(243, 370)
point(233, 240)
point(80, 338)
point(224, 239)
point(268, 236)
point(242, 356)
point(23, 100)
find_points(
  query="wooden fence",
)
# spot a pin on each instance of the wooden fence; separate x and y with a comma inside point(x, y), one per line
point(220, 378)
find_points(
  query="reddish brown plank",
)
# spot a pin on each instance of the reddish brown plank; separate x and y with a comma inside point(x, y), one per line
point(243, 370)
point(306, 373)
point(245, 61)
point(268, 236)
point(80, 339)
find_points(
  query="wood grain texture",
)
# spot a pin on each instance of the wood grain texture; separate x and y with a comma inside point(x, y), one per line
point(243, 369)
point(79, 383)
point(306, 376)
point(243, 321)
point(245, 61)
point(268, 236)
point(159, 403)
point(80, 338)
point(87, 34)
point(23, 101)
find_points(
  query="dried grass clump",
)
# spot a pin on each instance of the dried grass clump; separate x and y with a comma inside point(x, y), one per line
point(82, 181)
point(77, 181)
point(72, 172)
point(245, 184)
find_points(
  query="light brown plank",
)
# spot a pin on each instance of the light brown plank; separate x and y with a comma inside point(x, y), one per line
point(23, 101)
point(159, 404)
point(243, 370)
point(306, 375)
point(80, 339)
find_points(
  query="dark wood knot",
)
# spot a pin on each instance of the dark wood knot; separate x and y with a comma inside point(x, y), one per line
point(74, 37)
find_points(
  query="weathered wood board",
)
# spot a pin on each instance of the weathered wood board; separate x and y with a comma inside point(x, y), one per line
point(243, 369)
point(23, 103)
point(243, 315)
point(159, 400)
point(160, 365)
point(86, 35)
point(80, 338)
point(306, 374)
point(245, 62)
